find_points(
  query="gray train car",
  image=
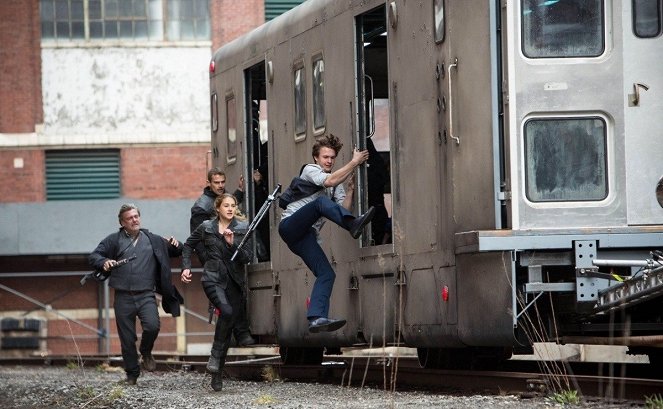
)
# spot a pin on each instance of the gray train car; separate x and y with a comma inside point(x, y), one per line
point(516, 153)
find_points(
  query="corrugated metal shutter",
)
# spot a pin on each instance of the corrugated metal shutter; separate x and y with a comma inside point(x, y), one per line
point(82, 174)
point(274, 8)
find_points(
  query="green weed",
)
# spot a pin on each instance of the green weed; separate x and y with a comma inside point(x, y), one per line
point(567, 397)
point(654, 402)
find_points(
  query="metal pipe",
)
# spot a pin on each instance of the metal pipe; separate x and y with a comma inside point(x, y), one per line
point(644, 340)
point(620, 263)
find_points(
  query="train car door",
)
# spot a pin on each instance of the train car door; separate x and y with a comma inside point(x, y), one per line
point(373, 108)
point(643, 101)
point(257, 186)
point(565, 111)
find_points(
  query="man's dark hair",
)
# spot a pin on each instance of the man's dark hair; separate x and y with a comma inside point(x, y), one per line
point(214, 171)
point(327, 141)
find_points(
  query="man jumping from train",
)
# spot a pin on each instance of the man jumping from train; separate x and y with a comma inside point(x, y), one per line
point(303, 218)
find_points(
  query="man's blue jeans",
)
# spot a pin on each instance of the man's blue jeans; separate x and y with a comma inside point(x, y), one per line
point(298, 233)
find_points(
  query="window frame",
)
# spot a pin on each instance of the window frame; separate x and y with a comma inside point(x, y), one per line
point(299, 108)
point(603, 31)
point(605, 164)
point(318, 58)
point(152, 21)
point(441, 22)
point(659, 14)
point(231, 145)
point(214, 114)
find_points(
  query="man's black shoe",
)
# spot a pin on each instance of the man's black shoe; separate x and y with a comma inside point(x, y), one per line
point(360, 222)
point(325, 325)
point(131, 380)
point(149, 364)
point(245, 340)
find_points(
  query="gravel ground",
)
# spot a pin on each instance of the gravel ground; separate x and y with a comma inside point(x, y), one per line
point(59, 387)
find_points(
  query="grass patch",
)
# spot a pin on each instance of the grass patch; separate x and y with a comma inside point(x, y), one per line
point(567, 397)
point(654, 402)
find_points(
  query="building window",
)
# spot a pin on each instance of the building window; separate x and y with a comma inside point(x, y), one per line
point(82, 174)
point(137, 20)
point(558, 29)
point(565, 159)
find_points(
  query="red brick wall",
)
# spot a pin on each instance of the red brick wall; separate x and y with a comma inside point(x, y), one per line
point(24, 184)
point(20, 66)
point(169, 172)
point(163, 172)
point(232, 18)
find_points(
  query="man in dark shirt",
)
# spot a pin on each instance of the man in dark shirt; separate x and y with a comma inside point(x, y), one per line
point(135, 284)
point(202, 210)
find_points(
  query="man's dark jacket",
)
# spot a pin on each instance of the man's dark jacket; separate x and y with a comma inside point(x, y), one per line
point(108, 248)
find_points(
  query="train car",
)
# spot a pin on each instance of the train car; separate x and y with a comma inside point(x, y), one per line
point(516, 152)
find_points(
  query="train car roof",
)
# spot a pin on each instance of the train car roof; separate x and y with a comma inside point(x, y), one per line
point(307, 15)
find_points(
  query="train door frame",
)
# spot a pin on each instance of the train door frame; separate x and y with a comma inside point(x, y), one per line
point(257, 153)
point(372, 73)
point(642, 105)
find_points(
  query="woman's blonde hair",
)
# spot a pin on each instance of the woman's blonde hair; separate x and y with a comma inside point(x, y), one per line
point(219, 199)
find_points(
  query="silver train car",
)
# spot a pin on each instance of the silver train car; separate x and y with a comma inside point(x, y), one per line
point(516, 151)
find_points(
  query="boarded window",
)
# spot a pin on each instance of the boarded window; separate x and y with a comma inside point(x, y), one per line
point(565, 159)
point(274, 8)
point(82, 174)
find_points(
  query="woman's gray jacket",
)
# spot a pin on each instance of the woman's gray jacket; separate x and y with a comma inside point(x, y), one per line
point(218, 266)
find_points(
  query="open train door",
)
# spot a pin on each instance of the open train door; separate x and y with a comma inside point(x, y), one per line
point(643, 105)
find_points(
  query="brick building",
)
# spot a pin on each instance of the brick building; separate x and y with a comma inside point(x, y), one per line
point(102, 102)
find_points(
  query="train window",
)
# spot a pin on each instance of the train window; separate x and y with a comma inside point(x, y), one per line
point(214, 106)
point(318, 94)
point(300, 103)
point(565, 159)
point(439, 20)
point(647, 18)
point(564, 28)
point(231, 128)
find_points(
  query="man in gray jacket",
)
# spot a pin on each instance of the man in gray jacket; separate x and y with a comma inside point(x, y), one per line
point(135, 284)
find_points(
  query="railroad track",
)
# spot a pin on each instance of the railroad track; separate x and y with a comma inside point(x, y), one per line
point(610, 382)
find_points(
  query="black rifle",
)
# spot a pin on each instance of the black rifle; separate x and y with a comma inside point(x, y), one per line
point(100, 275)
point(261, 213)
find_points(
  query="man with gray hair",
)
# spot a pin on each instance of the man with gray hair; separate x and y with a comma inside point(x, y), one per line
point(135, 284)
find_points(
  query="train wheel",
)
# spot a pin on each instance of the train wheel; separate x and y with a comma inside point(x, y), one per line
point(301, 356)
